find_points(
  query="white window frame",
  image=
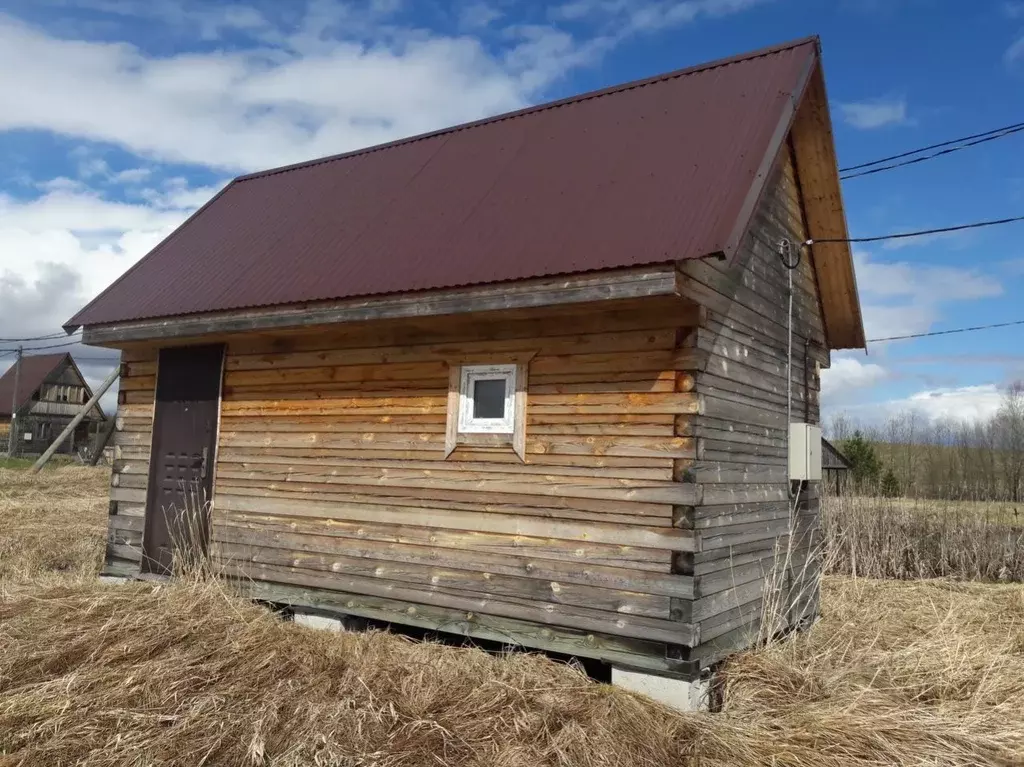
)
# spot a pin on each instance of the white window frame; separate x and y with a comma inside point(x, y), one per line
point(470, 374)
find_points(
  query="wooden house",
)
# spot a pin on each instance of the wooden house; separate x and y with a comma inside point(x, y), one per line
point(46, 391)
point(523, 379)
point(835, 468)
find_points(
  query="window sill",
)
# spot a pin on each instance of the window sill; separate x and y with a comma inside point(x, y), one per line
point(483, 440)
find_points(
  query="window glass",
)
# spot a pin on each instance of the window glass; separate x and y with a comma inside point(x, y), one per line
point(489, 398)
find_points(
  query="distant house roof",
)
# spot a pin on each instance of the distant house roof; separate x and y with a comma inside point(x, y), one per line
point(34, 371)
point(831, 458)
point(653, 171)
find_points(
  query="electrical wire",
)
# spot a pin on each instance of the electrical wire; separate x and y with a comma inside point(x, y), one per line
point(50, 337)
point(921, 233)
point(73, 342)
point(948, 332)
point(947, 147)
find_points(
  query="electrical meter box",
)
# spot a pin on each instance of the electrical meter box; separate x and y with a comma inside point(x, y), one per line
point(804, 452)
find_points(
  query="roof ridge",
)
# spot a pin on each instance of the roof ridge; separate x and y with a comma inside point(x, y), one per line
point(575, 99)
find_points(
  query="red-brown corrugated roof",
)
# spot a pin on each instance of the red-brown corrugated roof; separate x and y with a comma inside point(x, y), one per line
point(652, 171)
point(32, 375)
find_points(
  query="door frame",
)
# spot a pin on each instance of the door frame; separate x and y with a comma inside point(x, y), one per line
point(148, 510)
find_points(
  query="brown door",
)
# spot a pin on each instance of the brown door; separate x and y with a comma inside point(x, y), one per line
point(181, 461)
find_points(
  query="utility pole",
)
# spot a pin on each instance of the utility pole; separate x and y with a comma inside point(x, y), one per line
point(12, 438)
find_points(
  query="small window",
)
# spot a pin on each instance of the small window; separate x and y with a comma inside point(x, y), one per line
point(487, 406)
point(487, 399)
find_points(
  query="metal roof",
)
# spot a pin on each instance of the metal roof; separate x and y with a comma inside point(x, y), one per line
point(34, 371)
point(649, 172)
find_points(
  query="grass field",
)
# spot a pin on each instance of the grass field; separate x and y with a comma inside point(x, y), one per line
point(896, 672)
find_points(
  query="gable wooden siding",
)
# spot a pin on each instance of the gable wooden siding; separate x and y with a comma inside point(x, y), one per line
point(745, 515)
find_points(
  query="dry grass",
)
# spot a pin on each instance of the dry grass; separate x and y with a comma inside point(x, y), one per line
point(53, 524)
point(913, 673)
point(909, 539)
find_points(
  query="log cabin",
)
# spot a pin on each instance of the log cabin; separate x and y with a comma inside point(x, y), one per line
point(528, 379)
point(45, 391)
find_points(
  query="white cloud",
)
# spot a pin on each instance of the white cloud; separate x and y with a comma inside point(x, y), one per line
point(849, 375)
point(339, 79)
point(131, 175)
point(934, 282)
point(965, 403)
point(479, 15)
point(962, 403)
point(628, 17)
point(61, 249)
point(901, 298)
point(251, 109)
point(868, 115)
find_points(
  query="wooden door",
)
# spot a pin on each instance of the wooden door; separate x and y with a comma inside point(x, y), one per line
point(181, 460)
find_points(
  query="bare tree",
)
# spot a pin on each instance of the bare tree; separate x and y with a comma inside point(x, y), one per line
point(1009, 433)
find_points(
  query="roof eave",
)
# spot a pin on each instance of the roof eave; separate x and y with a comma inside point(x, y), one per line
point(818, 172)
point(656, 280)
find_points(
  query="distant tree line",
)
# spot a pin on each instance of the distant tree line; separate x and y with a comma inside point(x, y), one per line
point(954, 459)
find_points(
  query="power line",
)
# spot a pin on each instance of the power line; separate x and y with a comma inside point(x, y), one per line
point(921, 233)
point(50, 337)
point(947, 332)
point(947, 147)
point(51, 346)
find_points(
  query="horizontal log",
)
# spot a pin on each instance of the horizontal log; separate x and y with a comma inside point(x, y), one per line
point(633, 653)
point(354, 574)
point(643, 491)
point(640, 627)
point(545, 507)
point(656, 538)
point(345, 355)
point(125, 552)
point(734, 596)
point(533, 547)
point(370, 552)
point(138, 383)
point(230, 457)
point(464, 453)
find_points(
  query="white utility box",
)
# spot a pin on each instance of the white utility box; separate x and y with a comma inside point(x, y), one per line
point(804, 452)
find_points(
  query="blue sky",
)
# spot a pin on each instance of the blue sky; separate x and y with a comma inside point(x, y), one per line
point(118, 118)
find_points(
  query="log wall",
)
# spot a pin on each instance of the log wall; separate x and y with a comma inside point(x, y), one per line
point(133, 433)
point(331, 478)
point(738, 350)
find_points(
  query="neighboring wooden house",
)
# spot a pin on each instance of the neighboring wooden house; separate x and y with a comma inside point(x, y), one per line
point(51, 391)
point(835, 468)
point(523, 379)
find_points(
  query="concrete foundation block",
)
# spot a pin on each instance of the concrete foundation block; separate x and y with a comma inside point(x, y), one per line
point(116, 579)
point(677, 693)
point(318, 622)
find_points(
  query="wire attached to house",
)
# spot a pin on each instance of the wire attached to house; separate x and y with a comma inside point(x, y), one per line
point(787, 248)
point(921, 233)
point(945, 147)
